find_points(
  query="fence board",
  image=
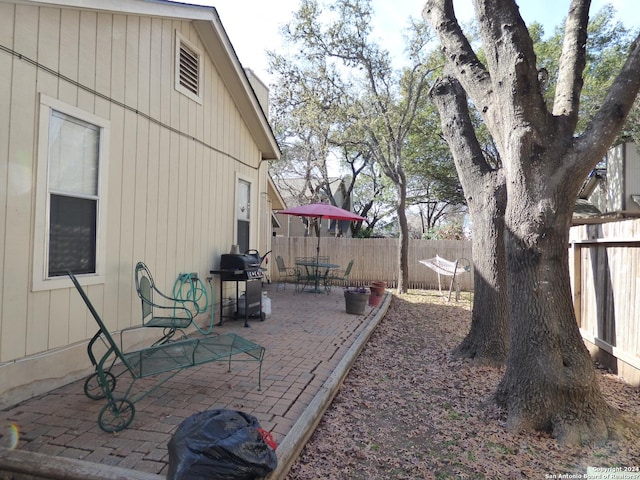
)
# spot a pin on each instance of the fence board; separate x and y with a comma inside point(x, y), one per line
point(609, 288)
point(376, 259)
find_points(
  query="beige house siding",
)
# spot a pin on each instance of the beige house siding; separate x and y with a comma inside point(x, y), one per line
point(260, 89)
point(632, 177)
point(622, 180)
point(172, 172)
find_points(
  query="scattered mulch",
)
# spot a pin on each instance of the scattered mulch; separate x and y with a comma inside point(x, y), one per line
point(407, 410)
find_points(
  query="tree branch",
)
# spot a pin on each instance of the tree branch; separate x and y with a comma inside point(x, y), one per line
point(457, 49)
point(601, 132)
point(450, 99)
point(510, 57)
point(572, 63)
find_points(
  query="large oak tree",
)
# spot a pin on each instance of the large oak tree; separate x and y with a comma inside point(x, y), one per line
point(550, 382)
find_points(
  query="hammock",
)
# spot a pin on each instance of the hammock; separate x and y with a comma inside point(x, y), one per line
point(451, 269)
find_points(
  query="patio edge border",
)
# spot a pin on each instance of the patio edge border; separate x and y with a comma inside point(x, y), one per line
point(23, 464)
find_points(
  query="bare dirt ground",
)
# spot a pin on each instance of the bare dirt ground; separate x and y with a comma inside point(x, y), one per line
point(409, 411)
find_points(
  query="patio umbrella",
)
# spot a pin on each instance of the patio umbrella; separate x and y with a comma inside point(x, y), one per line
point(321, 210)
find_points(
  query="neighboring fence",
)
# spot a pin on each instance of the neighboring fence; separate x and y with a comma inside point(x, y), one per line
point(376, 259)
point(605, 278)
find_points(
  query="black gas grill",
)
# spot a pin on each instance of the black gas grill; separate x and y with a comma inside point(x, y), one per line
point(243, 267)
point(240, 267)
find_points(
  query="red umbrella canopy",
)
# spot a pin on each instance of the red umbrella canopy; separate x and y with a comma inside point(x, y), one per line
point(323, 210)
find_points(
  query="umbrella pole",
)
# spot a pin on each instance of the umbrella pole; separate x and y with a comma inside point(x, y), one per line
point(318, 251)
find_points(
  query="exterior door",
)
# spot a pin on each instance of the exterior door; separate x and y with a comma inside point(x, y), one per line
point(243, 215)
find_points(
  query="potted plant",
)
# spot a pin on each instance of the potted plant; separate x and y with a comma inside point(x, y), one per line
point(356, 299)
point(377, 293)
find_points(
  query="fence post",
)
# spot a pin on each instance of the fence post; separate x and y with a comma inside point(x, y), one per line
point(576, 277)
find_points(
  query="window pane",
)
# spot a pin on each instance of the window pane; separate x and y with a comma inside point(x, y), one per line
point(72, 235)
point(243, 235)
point(73, 155)
point(244, 194)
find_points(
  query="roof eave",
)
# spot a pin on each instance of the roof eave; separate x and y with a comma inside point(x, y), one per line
point(158, 8)
point(277, 202)
point(223, 56)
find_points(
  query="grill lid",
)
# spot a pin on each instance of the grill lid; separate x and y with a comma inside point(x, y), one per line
point(238, 261)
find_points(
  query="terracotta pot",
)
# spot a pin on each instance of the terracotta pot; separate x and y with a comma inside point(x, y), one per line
point(375, 299)
point(377, 290)
point(377, 293)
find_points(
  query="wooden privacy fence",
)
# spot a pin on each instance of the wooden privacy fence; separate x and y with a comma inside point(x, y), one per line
point(605, 279)
point(604, 268)
point(376, 259)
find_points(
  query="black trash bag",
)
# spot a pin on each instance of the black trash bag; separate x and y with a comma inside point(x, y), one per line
point(219, 445)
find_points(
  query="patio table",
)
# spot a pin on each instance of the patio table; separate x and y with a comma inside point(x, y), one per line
point(315, 271)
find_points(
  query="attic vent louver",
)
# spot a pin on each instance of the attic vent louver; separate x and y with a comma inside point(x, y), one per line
point(189, 68)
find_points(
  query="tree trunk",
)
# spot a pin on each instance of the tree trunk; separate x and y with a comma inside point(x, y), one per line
point(403, 248)
point(488, 338)
point(485, 191)
point(550, 382)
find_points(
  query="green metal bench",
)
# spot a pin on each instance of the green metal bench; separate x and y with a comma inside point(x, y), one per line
point(167, 358)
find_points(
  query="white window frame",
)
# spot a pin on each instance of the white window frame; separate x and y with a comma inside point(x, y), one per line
point(41, 281)
point(179, 41)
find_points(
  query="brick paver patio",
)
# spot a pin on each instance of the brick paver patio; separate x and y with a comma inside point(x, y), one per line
point(306, 337)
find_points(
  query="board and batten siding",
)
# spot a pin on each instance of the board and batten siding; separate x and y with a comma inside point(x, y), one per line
point(172, 171)
point(632, 177)
point(621, 181)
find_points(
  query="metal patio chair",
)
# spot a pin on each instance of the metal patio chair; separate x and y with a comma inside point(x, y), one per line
point(286, 273)
point(340, 276)
point(160, 310)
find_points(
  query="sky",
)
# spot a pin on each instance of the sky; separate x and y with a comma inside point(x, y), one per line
point(253, 25)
